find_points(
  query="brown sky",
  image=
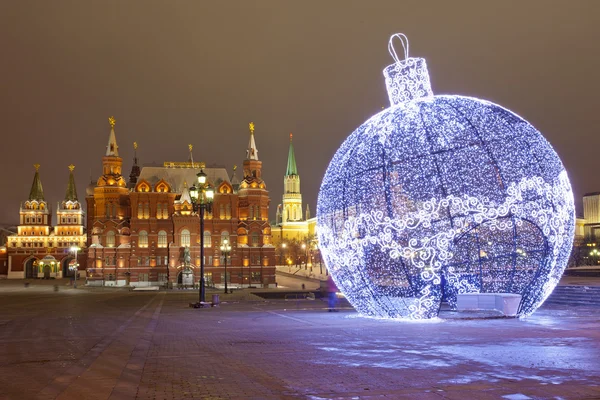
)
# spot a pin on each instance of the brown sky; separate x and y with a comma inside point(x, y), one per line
point(179, 72)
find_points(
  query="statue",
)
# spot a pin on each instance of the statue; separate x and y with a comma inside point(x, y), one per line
point(187, 259)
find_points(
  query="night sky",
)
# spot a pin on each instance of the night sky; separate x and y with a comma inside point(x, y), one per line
point(179, 72)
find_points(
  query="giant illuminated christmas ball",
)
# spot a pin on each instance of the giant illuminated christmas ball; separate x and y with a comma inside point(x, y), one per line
point(441, 195)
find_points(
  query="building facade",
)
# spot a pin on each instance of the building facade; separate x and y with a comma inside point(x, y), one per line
point(39, 249)
point(147, 233)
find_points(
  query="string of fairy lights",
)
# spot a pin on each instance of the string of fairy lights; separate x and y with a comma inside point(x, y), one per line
point(441, 195)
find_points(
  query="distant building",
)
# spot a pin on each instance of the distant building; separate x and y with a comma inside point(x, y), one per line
point(294, 233)
point(39, 249)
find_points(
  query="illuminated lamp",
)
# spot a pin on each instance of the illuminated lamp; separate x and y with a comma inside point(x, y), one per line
point(437, 196)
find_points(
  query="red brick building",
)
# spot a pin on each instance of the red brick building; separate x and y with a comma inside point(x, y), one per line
point(146, 233)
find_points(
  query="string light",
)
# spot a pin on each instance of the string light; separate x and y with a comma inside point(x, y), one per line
point(441, 195)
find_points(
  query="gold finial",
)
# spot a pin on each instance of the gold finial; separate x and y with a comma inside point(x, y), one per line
point(37, 167)
point(71, 167)
point(251, 126)
point(190, 147)
point(234, 167)
point(135, 145)
point(112, 121)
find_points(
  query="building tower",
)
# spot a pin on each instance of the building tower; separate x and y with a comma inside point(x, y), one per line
point(135, 168)
point(108, 215)
point(35, 218)
point(69, 214)
point(291, 210)
point(254, 230)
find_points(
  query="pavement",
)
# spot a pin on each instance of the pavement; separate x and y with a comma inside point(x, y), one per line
point(104, 343)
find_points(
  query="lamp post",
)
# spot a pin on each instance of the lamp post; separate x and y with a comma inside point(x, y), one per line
point(74, 268)
point(202, 198)
point(304, 255)
point(595, 253)
point(283, 246)
point(225, 250)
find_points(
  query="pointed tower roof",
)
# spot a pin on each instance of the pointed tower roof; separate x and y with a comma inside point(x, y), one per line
point(235, 181)
point(36, 192)
point(112, 150)
point(135, 168)
point(71, 194)
point(252, 152)
point(185, 194)
point(307, 213)
point(291, 165)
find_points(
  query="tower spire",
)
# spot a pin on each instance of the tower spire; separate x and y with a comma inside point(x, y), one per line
point(135, 169)
point(252, 152)
point(291, 165)
point(71, 194)
point(191, 159)
point(36, 192)
point(112, 150)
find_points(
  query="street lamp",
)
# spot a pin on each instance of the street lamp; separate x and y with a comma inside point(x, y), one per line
point(595, 253)
point(283, 246)
point(225, 250)
point(74, 267)
point(304, 254)
point(202, 198)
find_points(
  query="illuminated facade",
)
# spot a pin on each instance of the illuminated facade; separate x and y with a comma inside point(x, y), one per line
point(40, 250)
point(148, 234)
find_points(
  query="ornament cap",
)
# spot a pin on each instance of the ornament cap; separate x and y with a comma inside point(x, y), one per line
point(406, 79)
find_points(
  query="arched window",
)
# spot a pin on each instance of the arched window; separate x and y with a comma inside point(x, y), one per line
point(140, 210)
point(159, 210)
point(221, 211)
point(225, 236)
point(143, 239)
point(165, 211)
point(255, 239)
point(162, 239)
point(185, 238)
point(251, 211)
point(228, 211)
point(110, 239)
point(207, 239)
point(146, 211)
point(114, 210)
point(257, 212)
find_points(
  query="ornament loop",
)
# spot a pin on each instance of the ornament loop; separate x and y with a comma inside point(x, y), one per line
point(403, 40)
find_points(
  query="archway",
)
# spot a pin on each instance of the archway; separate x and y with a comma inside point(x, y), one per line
point(66, 271)
point(31, 268)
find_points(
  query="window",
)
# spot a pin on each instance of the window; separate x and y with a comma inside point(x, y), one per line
point(165, 211)
point(140, 211)
point(255, 238)
point(225, 236)
point(146, 211)
point(162, 239)
point(162, 278)
point(207, 239)
point(143, 239)
point(166, 260)
point(228, 211)
point(143, 277)
point(251, 211)
point(221, 211)
point(185, 238)
point(110, 239)
point(159, 210)
point(256, 212)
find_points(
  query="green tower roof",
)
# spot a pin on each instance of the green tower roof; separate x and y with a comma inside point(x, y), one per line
point(71, 194)
point(291, 165)
point(36, 192)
